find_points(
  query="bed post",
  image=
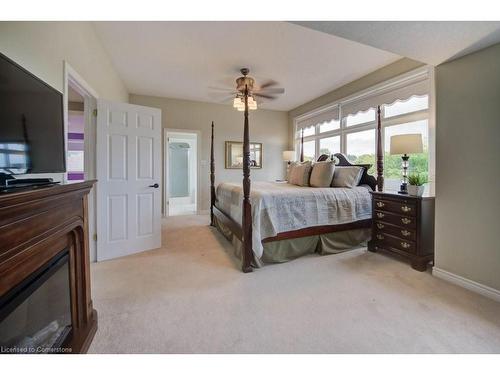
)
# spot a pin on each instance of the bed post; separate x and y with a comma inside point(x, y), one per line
point(380, 153)
point(302, 145)
point(247, 252)
point(212, 177)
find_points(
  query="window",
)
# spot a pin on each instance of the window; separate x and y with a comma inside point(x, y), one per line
point(349, 126)
point(330, 145)
point(321, 133)
point(360, 117)
point(309, 131)
point(419, 163)
point(360, 148)
point(413, 104)
point(329, 126)
point(309, 151)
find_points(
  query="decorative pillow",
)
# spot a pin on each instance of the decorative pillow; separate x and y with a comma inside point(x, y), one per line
point(299, 173)
point(322, 174)
point(347, 176)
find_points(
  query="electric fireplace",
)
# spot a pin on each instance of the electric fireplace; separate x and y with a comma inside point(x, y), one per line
point(35, 316)
point(45, 300)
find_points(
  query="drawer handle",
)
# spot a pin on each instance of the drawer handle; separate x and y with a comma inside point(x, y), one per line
point(380, 226)
point(405, 233)
point(380, 204)
point(380, 237)
point(405, 220)
point(405, 245)
point(405, 208)
point(380, 215)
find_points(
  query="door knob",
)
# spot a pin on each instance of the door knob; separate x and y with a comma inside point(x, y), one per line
point(156, 186)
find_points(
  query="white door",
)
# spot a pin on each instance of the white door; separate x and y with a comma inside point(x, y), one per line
point(128, 173)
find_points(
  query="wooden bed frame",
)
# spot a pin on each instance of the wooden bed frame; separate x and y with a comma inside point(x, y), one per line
point(244, 232)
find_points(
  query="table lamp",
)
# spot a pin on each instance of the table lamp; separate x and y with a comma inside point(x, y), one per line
point(405, 144)
point(289, 156)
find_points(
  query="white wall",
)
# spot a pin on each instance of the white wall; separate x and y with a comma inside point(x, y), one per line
point(41, 48)
point(467, 166)
point(268, 127)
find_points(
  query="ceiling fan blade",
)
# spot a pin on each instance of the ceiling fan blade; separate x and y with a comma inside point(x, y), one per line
point(271, 90)
point(269, 97)
point(221, 97)
point(228, 89)
point(268, 83)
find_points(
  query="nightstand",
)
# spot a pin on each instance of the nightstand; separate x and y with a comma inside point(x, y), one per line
point(404, 225)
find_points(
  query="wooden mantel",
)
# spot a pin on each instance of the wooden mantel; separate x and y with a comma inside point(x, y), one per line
point(36, 225)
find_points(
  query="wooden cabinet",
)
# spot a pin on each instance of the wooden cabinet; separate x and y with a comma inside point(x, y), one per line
point(403, 225)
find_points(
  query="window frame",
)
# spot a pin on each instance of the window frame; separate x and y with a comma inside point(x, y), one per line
point(424, 114)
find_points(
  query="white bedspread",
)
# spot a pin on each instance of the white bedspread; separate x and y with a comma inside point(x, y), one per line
point(280, 207)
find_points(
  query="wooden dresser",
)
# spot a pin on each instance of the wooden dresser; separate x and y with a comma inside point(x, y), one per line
point(403, 225)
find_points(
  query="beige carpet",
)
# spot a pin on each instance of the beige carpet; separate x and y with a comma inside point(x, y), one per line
point(189, 297)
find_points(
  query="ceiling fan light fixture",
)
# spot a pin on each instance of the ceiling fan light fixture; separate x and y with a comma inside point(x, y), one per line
point(237, 103)
point(252, 104)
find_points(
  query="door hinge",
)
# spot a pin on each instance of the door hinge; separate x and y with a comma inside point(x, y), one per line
point(94, 112)
point(95, 236)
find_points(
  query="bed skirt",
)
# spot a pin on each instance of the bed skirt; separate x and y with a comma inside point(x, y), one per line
point(286, 250)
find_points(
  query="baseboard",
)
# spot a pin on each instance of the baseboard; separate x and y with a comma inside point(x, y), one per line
point(203, 212)
point(467, 284)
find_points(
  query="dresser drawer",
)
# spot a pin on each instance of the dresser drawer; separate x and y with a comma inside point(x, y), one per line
point(385, 240)
point(404, 233)
point(390, 218)
point(398, 207)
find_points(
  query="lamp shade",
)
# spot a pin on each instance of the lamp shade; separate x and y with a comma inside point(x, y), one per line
point(288, 155)
point(406, 144)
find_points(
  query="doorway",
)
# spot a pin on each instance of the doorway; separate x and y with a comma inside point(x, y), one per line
point(181, 172)
point(75, 153)
point(80, 103)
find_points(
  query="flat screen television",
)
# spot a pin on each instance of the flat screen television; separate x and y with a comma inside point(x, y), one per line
point(31, 123)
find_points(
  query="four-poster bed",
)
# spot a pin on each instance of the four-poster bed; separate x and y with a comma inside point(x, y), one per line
point(349, 231)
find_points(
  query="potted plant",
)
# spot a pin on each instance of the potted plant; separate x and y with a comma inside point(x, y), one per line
point(416, 183)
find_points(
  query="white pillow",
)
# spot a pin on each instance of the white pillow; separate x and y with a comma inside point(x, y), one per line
point(348, 176)
point(322, 174)
point(299, 173)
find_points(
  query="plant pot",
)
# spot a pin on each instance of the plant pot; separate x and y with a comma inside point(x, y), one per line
point(415, 190)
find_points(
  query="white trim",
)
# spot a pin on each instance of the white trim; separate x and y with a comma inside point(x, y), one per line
point(432, 131)
point(76, 81)
point(165, 166)
point(467, 284)
point(72, 75)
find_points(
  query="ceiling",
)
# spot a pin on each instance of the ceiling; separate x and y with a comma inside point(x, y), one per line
point(427, 41)
point(184, 59)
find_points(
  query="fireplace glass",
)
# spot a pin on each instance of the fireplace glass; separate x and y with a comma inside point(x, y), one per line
point(35, 317)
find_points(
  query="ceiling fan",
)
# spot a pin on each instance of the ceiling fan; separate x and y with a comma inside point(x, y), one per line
point(256, 93)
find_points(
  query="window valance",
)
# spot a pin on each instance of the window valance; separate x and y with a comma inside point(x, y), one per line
point(387, 95)
point(332, 113)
